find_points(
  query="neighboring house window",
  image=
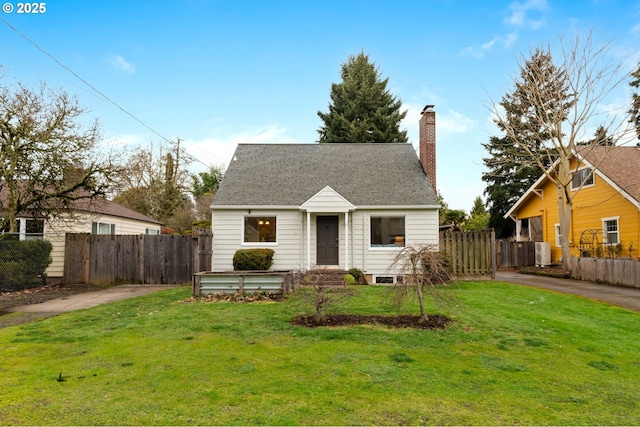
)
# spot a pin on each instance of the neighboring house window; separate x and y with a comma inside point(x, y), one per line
point(260, 229)
point(387, 231)
point(152, 231)
point(558, 236)
point(610, 231)
point(33, 229)
point(582, 177)
point(103, 228)
point(28, 229)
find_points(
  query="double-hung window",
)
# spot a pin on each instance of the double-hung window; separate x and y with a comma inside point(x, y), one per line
point(611, 230)
point(387, 231)
point(259, 229)
point(103, 228)
point(582, 177)
point(28, 229)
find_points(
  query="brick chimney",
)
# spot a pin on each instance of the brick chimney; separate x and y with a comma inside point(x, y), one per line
point(427, 148)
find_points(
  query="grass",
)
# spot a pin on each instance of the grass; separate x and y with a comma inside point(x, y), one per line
point(514, 355)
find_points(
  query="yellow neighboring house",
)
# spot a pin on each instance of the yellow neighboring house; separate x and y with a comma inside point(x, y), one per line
point(605, 217)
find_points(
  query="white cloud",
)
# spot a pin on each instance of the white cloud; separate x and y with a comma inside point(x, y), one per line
point(521, 17)
point(218, 150)
point(126, 140)
point(520, 14)
point(121, 64)
point(447, 122)
point(504, 42)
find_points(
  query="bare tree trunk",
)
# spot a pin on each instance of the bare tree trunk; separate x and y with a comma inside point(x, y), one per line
point(563, 181)
point(423, 312)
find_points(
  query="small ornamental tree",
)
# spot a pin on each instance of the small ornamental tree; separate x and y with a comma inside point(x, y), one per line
point(322, 289)
point(426, 271)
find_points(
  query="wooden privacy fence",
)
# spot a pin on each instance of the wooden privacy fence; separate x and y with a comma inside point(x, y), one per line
point(614, 271)
point(472, 253)
point(145, 259)
point(512, 254)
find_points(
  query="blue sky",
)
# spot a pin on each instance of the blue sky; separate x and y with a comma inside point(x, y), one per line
point(218, 73)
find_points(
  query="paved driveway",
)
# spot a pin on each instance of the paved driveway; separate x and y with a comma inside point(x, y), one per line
point(623, 297)
point(90, 299)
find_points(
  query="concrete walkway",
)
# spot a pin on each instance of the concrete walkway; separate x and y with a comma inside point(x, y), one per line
point(622, 297)
point(89, 299)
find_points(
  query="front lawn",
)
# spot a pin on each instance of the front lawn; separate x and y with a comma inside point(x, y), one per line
point(512, 355)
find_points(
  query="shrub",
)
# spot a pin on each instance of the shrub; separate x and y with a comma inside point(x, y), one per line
point(23, 263)
point(253, 259)
point(358, 274)
point(349, 280)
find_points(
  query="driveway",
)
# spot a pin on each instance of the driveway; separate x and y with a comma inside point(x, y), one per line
point(89, 299)
point(622, 297)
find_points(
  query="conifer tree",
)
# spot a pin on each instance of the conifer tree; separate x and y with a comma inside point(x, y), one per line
point(635, 101)
point(511, 171)
point(362, 109)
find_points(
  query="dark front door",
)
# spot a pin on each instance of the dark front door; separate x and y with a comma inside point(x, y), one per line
point(327, 236)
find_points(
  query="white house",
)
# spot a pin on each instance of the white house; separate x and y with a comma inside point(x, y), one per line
point(88, 216)
point(330, 205)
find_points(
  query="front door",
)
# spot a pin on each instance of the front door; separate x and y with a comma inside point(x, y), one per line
point(327, 236)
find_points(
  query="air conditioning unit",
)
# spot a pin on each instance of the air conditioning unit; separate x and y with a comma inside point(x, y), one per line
point(543, 254)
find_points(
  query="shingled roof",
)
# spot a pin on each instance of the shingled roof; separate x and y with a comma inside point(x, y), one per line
point(621, 165)
point(107, 207)
point(290, 174)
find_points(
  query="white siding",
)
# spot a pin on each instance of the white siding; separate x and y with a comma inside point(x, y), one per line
point(421, 227)
point(327, 200)
point(56, 229)
point(228, 236)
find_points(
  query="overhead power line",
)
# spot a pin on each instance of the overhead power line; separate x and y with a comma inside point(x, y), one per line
point(112, 102)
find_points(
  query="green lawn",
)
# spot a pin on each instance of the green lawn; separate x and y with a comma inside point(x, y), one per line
point(514, 355)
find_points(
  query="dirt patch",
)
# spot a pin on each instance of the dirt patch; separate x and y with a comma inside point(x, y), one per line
point(402, 321)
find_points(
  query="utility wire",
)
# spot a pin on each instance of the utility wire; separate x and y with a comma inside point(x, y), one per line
point(177, 145)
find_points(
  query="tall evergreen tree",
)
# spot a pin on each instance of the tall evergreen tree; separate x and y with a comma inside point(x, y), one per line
point(553, 105)
point(362, 109)
point(635, 101)
point(478, 217)
point(511, 171)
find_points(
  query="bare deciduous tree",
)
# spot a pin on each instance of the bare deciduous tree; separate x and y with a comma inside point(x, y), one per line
point(563, 105)
point(322, 289)
point(48, 159)
point(425, 270)
point(155, 183)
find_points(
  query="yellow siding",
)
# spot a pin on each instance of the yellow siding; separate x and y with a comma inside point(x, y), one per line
point(590, 206)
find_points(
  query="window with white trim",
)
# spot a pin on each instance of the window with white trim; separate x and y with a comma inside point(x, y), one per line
point(387, 231)
point(103, 228)
point(611, 230)
point(28, 229)
point(152, 231)
point(582, 177)
point(259, 229)
point(33, 229)
point(558, 236)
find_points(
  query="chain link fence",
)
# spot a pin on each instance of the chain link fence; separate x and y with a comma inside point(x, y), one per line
point(22, 262)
